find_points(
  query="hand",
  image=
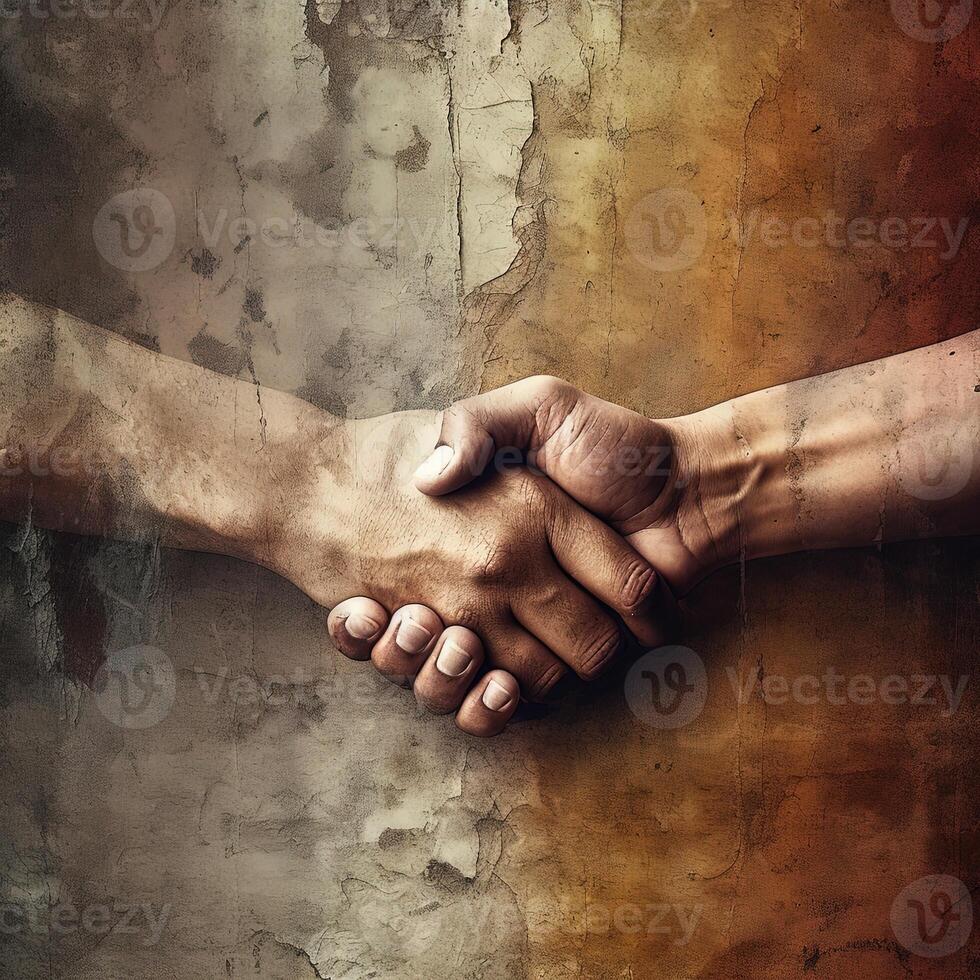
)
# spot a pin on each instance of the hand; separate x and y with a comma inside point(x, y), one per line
point(444, 673)
point(642, 476)
point(512, 557)
point(196, 460)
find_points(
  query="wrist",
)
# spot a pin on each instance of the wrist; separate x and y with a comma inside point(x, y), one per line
point(732, 481)
point(304, 509)
point(240, 488)
point(333, 497)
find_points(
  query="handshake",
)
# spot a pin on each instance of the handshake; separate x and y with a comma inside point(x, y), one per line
point(542, 523)
point(510, 548)
point(545, 525)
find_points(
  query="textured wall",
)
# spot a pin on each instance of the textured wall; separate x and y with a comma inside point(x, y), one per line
point(380, 204)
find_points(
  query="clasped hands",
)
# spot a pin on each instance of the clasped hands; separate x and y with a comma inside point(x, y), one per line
point(540, 528)
point(508, 547)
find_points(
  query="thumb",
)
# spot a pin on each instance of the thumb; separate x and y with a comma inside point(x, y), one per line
point(475, 428)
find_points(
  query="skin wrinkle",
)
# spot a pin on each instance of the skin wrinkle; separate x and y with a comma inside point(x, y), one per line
point(639, 584)
point(543, 685)
point(580, 433)
point(604, 649)
point(618, 516)
point(548, 405)
point(742, 443)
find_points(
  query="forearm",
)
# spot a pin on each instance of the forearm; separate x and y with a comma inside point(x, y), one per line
point(883, 451)
point(101, 436)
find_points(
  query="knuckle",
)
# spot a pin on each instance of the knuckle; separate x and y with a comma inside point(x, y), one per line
point(636, 586)
point(528, 496)
point(535, 495)
point(495, 564)
point(543, 387)
point(463, 612)
point(489, 564)
point(458, 415)
point(452, 413)
point(549, 596)
point(599, 652)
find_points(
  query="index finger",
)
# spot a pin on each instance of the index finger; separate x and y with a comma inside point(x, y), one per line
point(603, 562)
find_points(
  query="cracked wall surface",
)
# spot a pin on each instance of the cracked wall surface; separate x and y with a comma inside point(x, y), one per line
point(383, 204)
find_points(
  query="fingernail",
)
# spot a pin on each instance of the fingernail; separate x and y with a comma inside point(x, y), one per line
point(412, 637)
point(452, 660)
point(496, 697)
point(361, 627)
point(436, 463)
